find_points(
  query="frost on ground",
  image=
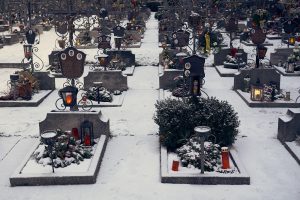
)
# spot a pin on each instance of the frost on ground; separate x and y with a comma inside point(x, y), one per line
point(130, 168)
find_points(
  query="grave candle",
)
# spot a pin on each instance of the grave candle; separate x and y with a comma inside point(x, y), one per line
point(225, 158)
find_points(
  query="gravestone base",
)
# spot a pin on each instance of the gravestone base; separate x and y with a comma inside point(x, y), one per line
point(274, 37)
point(225, 72)
point(66, 121)
point(251, 44)
point(167, 176)
point(288, 131)
point(134, 45)
point(282, 71)
point(87, 46)
point(59, 178)
point(36, 100)
point(263, 104)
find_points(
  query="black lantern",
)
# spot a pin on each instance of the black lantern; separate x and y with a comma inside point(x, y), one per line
point(262, 50)
point(87, 133)
point(290, 68)
point(30, 36)
point(118, 42)
point(69, 96)
point(27, 51)
point(103, 60)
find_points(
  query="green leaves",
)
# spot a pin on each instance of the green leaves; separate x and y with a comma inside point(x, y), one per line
point(177, 119)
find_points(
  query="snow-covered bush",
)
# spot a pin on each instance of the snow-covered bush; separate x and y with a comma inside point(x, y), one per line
point(177, 119)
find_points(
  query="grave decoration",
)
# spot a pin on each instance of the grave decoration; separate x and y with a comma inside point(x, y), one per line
point(193, 77)
point(260, 87)
point(210, 39)
point(28, 82)
point(22, 86)
point(258, 36)
point(65, 149)
point(71, 61)
point(235, 59)
point(292, 64)
point(189, 140)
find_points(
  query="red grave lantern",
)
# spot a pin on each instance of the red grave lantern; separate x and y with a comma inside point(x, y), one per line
point(225, 158)
point(87, 133)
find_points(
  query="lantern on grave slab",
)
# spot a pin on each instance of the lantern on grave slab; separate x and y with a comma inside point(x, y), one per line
point(27, 51)
point(225, 158)
point(69, 96)
point(290, 68)
point(30, 36)
point(292, 40)
point(103, 60)
point(118, 42)
point(87, 133)
point(257, 93)
point(246, 82)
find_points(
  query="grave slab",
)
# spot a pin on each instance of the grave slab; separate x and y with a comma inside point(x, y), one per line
point(225, 72)
point(262, 104)
point(36, 100)
point(242, 178)
point(282, 71)
point(251, 44)
point(58, 178)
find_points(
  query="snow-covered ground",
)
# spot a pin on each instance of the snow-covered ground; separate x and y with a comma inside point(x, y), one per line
point(130, 169)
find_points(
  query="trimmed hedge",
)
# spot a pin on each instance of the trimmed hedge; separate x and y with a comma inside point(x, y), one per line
point(178, 117)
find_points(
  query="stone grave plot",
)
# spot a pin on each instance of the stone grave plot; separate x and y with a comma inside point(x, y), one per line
point(289, 132)
point(173, 168)
point(227, 61)
point(184, 175)
point(249, 43)
point(286, 61)
point(260, 87)
point(86, 40)
point(77, 149)
point(169, 68)
point(123, 60)
point(26, 89)
point(132, 38)
point(176, 83)
point(105, 88)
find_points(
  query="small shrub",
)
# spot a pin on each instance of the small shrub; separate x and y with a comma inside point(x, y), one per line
point(178, 118)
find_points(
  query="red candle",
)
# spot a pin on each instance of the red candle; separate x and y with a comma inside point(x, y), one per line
point(87, 140)
point(75, 133)
point(225, 158)
point(175, 165)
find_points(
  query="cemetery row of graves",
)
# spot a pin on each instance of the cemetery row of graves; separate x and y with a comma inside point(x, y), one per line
point(255, 44)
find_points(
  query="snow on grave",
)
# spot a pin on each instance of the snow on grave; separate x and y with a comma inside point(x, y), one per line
point(30, 172)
